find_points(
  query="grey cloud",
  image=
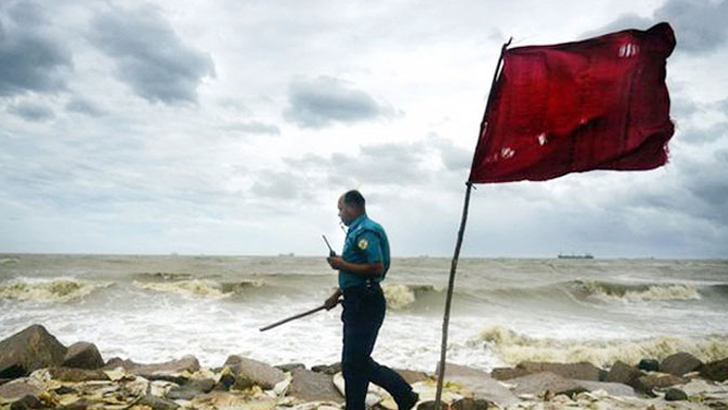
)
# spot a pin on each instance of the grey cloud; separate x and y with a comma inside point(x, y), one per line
point(84, 106)
point(30, 58)
point(32, 111)
point(255, 127)
point(280, 185)
point(623, 22)
point(700, 136)
point(320, 102)
point(699, 25)
point(149, 55)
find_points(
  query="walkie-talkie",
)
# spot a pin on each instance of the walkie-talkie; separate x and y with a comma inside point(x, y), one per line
point(331, 251)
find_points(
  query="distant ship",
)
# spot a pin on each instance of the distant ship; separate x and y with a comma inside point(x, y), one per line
point(573, 256)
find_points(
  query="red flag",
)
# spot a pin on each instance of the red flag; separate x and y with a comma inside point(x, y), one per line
point(600, 103)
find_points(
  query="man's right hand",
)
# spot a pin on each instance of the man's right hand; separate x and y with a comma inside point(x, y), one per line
point(332, 301)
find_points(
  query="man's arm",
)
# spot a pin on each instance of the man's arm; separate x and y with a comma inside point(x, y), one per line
point(367, 269)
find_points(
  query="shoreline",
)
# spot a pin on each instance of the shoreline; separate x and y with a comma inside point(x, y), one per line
point(36, 371)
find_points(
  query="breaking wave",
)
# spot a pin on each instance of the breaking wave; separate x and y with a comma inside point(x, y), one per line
point(619, 293)
point(403, 297)
point(49, 291)
point(198, 288)
point(513, 347)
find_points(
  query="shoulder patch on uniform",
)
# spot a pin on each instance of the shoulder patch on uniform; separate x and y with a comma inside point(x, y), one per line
point(363, 244)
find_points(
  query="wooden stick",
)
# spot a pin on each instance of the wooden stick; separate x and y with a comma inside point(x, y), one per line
point(458, 244)
point(298, 316)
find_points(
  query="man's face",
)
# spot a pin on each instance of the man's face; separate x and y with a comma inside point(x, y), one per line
point(345, 212)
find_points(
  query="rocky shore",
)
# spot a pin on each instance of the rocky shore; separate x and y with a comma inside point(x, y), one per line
point(38, 372)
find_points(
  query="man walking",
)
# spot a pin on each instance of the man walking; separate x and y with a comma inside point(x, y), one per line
point(362, 265)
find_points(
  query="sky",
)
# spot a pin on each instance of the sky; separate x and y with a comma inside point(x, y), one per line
point(232, 127)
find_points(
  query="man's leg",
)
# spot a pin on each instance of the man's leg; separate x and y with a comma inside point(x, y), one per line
point(360, 333)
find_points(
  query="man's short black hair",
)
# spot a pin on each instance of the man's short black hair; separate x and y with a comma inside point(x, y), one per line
point(355, 198)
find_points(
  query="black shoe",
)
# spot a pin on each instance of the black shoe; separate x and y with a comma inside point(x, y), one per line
point(411, 401)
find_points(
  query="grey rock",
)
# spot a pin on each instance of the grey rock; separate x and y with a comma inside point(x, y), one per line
point(187, 363)
point(680, 363)
point(613, 389)
point(649, 365)
point(471, 404)
point(17, 389)
point(64, 390)
point(675, 395)
point(623, 373)
point(226, 382)
point(80, 404)
point(483, 386)
point(158, 403)
point(249, 372)
point(83, 355)
point(286, 368)
point(331, 369)
point(580, 371)
point(717, 371)
point(541, 382)
point(649, 382)
point(311, 386)
point(76, 375)
point(507, 373)
point(191, 389)
point(28, 350)
point(27, 402)
point(411, 376)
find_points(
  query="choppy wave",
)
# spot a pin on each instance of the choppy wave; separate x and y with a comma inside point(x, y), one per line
point(402, 297)
point(619, 293)
point(199, 288)
point(49, 291)
point(513, 347)
point(8, 261)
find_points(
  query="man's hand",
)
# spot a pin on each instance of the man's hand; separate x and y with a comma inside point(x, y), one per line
point(336, 262)
point(333, 300)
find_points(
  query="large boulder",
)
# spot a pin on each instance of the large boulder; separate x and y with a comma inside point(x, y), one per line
point(483, 386)
point(28, 350)
point(83, 355)
point(580, 371)
point(717, 371)
point(680, 363)
point(538, 383)
point(249, 372)
point(412, 376)
point(623, 373)
point(311, 386)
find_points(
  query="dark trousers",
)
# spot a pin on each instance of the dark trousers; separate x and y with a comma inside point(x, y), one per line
point(364, 309)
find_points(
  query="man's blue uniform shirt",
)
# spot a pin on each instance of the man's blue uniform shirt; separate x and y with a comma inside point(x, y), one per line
point(366, 242)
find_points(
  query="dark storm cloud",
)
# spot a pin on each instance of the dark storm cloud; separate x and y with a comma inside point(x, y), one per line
point(149, 56)
point(32, 111)
point(699, 25)
point(325, 100)
point(31, 59)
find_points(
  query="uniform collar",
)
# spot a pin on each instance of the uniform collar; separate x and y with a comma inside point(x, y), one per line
point(356, 222)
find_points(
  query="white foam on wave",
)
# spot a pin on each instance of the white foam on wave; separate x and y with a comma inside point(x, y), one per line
point(399, 297)
point(652, 293)
point(49, 291)
point(197, 288)
point(513, 347)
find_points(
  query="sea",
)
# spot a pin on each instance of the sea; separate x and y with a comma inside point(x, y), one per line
point(156, 308)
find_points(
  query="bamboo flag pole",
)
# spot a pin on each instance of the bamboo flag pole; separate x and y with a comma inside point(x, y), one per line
point(456, 256)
